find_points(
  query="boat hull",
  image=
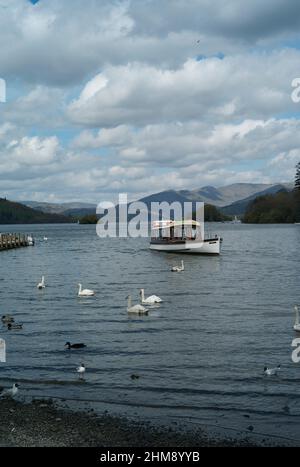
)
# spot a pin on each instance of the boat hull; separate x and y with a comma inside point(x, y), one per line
point(208, 247)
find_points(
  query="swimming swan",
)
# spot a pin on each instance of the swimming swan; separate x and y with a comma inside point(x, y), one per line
point(85, 292)
point(178, 268)
point(136, 309)
point(149, 300)
point(42, 284)
point(297, 324)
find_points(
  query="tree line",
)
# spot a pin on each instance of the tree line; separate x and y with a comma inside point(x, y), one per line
point(283, 207)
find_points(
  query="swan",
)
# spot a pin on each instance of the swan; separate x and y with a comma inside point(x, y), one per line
point(178, 268)
point(149, 300)
point(41, 285)
point(81, 370)
point(10, 392)
point(297, 324)
point(271, 371)
point(70, 346)
point(45, 239)
point(136, 309)
point(85, 292)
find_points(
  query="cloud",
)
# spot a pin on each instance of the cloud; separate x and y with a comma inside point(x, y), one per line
point(197, 152)
point(61, 43)
point(143, 95)
point(41, 106)
point(242, 86)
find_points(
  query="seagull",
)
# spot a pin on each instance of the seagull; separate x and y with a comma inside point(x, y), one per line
point(12, 392)
point(271, 371)
point(41, 285)
point(81, 371)
point(45, 239)
point(69, 346)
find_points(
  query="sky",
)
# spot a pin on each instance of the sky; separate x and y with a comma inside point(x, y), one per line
point(139, 96)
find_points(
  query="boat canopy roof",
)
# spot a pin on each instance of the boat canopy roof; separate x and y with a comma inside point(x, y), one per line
point(167, 224)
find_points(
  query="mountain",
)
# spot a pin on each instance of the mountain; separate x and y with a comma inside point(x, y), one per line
point(17, 213)
point(239, 207)
point(229, 194)
point(57, 208)
point(224, 197)
point(220, 197)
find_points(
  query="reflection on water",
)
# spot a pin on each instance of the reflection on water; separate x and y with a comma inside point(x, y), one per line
point(199, 355)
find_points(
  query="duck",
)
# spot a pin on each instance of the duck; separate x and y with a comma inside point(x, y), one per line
point(42, 284)
point(149, 300)
point(7, 319)
point(297, 324)
point(85, 292)
point(178, 268)
point(271, 371)
point(12, 392)
point(14, 327)
point(81, 371)
point(69, 346)
point(135, 377)
point(136, 309)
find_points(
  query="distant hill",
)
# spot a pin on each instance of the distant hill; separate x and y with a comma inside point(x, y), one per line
point(239, 207)
point(231, 199)
point(282, 207)
point(16, 213)
point(211, 214)
point(229, 194)
point(62, 208)
point(77, 213)
point(215, 196)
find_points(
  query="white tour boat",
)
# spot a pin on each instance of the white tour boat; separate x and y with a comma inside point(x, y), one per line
point(183, 237)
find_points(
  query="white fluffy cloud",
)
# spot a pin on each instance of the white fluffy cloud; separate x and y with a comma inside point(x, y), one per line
point(241, 86)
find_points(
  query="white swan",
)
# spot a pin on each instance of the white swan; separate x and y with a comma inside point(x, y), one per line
point(85, 292)
point(297, 324)
point(149, 300)
point(178, 268)
point(135, 309)
point(42, 284)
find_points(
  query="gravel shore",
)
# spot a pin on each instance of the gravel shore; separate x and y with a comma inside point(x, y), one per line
point(40, 423)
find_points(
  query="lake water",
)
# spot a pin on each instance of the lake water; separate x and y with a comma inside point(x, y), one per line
point(200, 355)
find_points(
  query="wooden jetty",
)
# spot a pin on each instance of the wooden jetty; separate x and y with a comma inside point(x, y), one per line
point(17, 240)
